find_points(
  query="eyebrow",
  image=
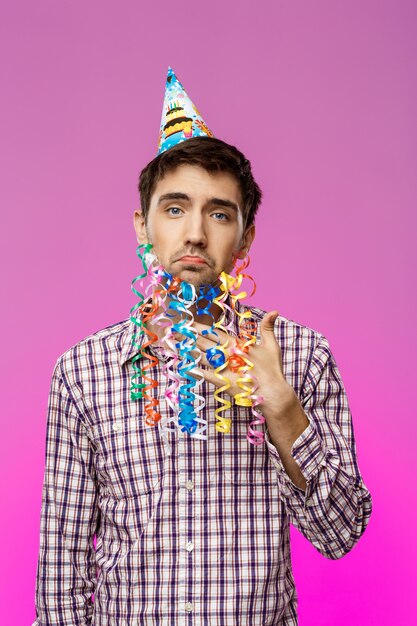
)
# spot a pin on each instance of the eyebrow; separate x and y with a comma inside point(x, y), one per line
point(178, 195)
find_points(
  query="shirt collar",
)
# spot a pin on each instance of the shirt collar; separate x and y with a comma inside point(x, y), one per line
point(129, 348)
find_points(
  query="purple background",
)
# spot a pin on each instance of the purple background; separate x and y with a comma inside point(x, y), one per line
point(321, 96)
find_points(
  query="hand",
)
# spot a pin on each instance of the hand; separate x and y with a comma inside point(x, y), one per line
point(278, 396)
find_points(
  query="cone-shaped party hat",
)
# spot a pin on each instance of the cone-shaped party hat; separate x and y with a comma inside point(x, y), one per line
point(181, 119)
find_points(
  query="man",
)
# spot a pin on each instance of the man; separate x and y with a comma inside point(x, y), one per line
point(193, 530)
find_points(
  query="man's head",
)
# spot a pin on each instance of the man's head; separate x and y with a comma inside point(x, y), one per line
point(212, 155)
point(198, 204)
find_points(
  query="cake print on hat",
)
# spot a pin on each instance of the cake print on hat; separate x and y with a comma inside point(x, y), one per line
point(180, 119)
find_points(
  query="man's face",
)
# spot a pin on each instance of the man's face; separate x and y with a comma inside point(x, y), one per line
point(195, 224)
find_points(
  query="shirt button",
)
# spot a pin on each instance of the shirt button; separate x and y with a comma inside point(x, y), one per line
point(188, 607)
point(116, 426)
point(189, 485)
point(189, 546)
point(309, 502)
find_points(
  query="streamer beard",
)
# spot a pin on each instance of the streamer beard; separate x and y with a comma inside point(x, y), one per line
point(197, 277)
point(169, 307)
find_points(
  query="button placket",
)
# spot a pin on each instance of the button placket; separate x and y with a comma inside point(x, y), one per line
point(183, 591)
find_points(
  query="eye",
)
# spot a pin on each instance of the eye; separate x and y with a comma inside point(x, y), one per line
point(174, 210)
point(221, 217)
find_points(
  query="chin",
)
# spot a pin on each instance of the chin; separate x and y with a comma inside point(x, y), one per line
point(196, 278)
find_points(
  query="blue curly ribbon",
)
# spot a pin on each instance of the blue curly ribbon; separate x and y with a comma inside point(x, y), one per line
point(187, 416)
point(208, 293)
point(176, 299)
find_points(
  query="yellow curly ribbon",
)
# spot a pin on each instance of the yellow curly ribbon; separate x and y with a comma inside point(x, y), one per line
point(238, 361)
point(223, 423)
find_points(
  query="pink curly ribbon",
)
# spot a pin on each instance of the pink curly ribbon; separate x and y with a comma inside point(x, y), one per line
point(166, 298)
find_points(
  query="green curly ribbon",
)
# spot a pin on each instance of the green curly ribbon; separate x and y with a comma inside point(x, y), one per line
point(136, 388)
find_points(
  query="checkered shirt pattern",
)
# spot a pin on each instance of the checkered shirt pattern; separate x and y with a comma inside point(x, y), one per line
point(133, 533)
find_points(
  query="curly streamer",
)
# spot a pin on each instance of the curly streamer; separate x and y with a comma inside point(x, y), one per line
point(238, 360)
point(223, 423)
point(178, 303)
point(247, 337)
point(164, 285)
point(181, 303)
point(136, 388)
point(216, 356)
point(167, 350)
point(166, 298)
point(148, 311)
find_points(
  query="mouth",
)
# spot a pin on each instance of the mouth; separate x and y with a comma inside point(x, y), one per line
point(193, 260)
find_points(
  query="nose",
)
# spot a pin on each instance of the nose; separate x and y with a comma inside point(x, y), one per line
point(195, 232)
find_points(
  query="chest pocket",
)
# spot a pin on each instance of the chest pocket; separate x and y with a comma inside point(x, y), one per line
point(129, 457)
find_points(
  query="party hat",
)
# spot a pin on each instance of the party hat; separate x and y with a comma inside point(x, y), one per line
point(180, 119)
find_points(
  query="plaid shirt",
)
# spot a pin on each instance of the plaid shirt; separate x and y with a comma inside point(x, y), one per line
point(198, 535)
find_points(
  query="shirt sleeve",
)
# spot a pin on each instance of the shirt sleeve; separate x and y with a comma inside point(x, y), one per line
point(66, 573)
point(334, 510)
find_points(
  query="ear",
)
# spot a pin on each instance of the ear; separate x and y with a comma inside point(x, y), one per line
point(246, 242)
point(140, 227)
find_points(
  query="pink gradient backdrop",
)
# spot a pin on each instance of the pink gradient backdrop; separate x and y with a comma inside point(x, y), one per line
point(321, 96)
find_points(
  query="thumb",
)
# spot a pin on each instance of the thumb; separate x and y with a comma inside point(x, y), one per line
point(267, 326)
point(268, 338)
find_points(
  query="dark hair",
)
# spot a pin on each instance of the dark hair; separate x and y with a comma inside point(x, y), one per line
point(213, 155)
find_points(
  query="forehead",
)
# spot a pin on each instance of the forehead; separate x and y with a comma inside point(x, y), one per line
point(198, 183)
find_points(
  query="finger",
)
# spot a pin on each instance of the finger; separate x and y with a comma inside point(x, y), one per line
point(208, 337)
point(217, 335)
point(267, 328)
point(199, 352)
point(205, 344)
point(268, 337)
point(202, 358)
point(210, 376)
point(213, 358)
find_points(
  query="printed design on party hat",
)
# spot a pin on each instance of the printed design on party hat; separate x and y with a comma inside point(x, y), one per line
point(180, 119)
